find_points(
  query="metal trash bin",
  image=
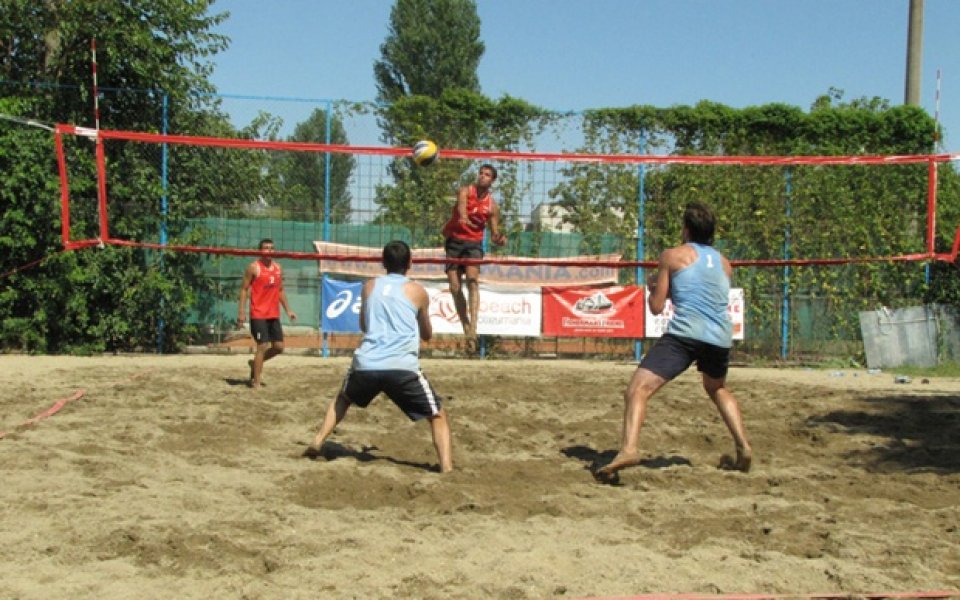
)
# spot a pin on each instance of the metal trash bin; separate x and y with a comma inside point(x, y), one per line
point(904, 336)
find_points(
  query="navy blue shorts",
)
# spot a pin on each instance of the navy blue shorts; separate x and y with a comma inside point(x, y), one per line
point(409, 390)
point(461, 249)
point(266, 330)
point(672, 355)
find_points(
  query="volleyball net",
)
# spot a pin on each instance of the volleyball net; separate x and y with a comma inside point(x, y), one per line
point(774, 211)
point(835, 234)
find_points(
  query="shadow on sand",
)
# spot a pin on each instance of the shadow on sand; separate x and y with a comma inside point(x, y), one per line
point(333, 451)
point(594, 459)
point(923, 432)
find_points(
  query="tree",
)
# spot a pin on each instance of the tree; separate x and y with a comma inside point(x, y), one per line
point(432, 45)
point(427, 81)
point(304, 174)
point(114, 298)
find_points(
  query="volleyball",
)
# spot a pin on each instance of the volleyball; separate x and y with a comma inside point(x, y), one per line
point(425, 153)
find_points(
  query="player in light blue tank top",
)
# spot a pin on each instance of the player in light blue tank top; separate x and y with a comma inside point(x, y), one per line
point(696, 278)
point(394, 317)
point(392, 337)
point(700, 293)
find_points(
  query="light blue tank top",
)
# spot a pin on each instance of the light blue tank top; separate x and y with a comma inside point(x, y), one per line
point(700, 293)
point(392, 339)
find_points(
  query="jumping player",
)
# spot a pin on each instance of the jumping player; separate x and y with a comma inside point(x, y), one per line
point(474, 211)
point(697, 280)
point(263, 283)
point(394, 313)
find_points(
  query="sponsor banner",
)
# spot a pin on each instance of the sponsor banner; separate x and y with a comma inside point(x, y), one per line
point(593, 312)
point(528, 273)
point(340, 305)
point(543, 273)
point(657, 324)
point(370, 269)
point(515, 312)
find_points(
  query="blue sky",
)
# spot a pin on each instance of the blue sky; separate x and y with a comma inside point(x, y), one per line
point(581, 54)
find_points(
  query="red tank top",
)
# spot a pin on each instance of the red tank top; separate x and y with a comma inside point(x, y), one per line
point(478, 213)
point(265, 291)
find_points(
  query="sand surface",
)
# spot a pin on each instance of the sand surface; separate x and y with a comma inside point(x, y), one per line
point(166, 477)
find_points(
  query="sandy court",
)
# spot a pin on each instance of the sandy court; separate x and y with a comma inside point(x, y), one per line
point(169, 478)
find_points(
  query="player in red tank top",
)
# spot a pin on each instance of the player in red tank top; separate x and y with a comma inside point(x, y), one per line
point(474, 211)
point(263, 284)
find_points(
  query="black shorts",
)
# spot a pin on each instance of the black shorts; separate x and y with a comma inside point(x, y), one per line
point(266, 330)
point(461, 249)
point(672, 354)
point(409, 390)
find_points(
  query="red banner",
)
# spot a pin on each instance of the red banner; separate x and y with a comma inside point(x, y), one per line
point(593, 312)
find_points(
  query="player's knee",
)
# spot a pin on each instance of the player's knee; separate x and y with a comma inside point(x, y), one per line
point(712, 386)
point(638, 395)
point(473, 282)
point(278, 347)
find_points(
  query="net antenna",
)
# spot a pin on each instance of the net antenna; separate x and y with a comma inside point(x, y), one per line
point(96, 95)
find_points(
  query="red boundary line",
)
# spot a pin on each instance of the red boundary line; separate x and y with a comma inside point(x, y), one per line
point(47, 413)
point(830, 596)
point(63, 402)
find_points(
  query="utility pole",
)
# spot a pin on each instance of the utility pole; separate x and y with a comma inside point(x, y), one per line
point(914, 53)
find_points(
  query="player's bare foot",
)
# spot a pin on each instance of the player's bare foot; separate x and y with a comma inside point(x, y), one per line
point(471, 345)
point(609, 473)
point(313, 451)
point(741, 463)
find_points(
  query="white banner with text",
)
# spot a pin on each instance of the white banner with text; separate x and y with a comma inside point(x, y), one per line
point(502, 311)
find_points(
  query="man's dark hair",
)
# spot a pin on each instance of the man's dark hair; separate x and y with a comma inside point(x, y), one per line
point(264, 241)
point(396, 257)
point(490, 168)
point(700, 222)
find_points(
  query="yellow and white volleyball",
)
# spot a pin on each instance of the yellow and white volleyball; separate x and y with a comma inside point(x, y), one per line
point(425, 153)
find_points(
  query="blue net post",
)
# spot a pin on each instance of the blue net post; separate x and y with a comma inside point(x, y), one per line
point(785, 319)
point(326, 207)
point(641, 206)
point(164, 183)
